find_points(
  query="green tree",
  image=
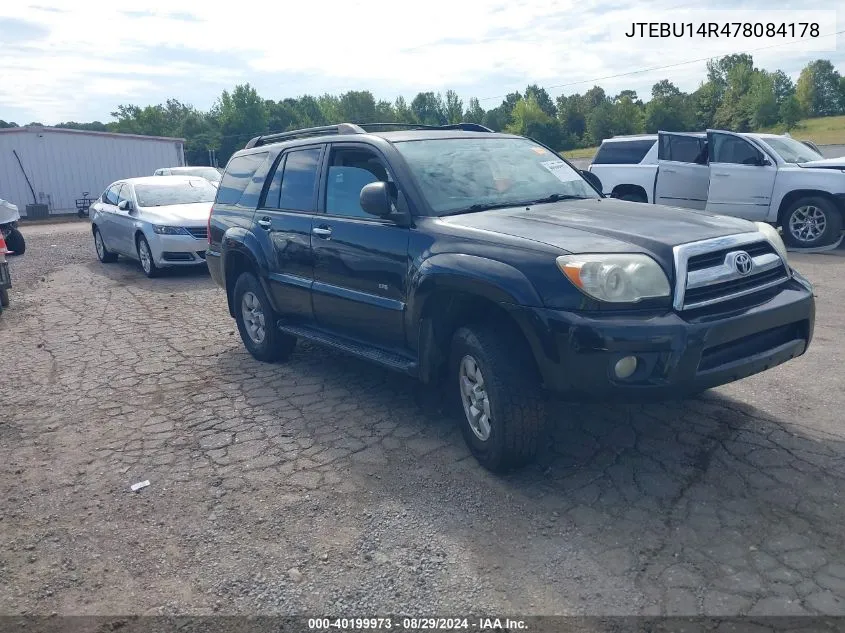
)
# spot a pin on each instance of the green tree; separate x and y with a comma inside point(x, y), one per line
point(241, 115)
point(571, 112)
point(454, 107)
point(760, 102)
point(428, 109)
point(542, 98)
point(357, 106)
point(818, 89)
point(790, 112)
point(7, 124)
point(628, 113)
point(705, 102)
point(669, 109)
point(529, 119)
point(403, 112)
point(474, 113)
point(499, 117)
point(600, 123)
point(783, 86)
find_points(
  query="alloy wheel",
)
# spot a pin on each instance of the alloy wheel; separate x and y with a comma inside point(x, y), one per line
point(253, 316)
point(474, 397)
point(807, 223)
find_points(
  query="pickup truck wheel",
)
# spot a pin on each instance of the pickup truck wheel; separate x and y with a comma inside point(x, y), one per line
point(810, 222)
point(257, 322)
point(502, 403)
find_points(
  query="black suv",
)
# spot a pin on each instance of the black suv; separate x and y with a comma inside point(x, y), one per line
point(487, 260)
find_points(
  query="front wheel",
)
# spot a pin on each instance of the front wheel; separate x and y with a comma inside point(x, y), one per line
point(145, 256)
point(500, 395)
point(256, 321)
point(811, 222)
point(15, 242)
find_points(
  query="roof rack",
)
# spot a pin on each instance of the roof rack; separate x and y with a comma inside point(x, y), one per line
point(341, 128)
point(360, 128)
point(466, 127)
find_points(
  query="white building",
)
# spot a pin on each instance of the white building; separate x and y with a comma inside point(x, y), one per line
point(53, 167)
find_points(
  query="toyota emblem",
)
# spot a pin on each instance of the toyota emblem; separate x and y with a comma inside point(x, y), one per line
point(741, 262)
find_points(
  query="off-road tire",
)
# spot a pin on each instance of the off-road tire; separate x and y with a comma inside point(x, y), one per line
point(516, 399)
point(276, 345)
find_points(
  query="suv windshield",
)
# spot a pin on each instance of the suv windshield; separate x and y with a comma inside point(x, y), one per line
point(188, 192)
point(472, 174)
point(791, 150)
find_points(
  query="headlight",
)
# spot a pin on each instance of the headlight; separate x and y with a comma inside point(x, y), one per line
point(624, 278)
point(169, 230)
point(772, 234)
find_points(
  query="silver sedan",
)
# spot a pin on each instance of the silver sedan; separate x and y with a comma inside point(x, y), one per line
point(160, 221)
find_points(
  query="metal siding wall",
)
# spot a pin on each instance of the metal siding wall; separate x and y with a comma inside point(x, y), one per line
point(62, 166)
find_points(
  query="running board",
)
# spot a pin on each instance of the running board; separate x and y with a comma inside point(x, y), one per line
point(390, 360)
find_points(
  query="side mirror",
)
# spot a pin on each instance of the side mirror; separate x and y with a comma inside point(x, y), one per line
point(125, 205)
point(375, 199)
point(764, 161)
point(591, 178)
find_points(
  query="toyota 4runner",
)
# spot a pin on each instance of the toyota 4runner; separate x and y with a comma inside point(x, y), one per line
point(489, 262)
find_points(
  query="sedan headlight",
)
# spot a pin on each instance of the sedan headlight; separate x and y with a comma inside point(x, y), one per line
point(772, 234)
point(169, 230)
point(622, 278)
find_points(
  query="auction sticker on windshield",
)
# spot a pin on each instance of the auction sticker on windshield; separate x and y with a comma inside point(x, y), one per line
point(559, 169)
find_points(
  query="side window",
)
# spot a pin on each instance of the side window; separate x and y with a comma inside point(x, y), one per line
point(239, 173)
point(350, 170)
point(299, 181)
point(271, 201)
point(110, 196)
point(623, 152)
point(732, 149)
point(125, 193)
point(681, 148)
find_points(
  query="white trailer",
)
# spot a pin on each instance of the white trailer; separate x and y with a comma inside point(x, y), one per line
point(53, 167)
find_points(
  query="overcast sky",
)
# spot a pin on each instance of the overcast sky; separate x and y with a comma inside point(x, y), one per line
point(77, 59)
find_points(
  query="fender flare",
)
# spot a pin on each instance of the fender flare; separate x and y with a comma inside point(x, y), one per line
point(238, 240)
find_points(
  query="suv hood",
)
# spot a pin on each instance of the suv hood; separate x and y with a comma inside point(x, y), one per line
point(195, 214)
point(605, 225)
point(825, 163)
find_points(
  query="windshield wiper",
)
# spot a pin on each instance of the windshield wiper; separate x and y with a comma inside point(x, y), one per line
point(555, 197)
point(475, 208)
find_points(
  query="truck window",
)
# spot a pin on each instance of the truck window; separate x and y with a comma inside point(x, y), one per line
point(299, 180)
point(349, 171)
point(239, 172)
point(680, 148)
point(623, 152)
point(732, 149)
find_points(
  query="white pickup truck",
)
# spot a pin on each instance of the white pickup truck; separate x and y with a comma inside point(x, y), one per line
point(763, 177)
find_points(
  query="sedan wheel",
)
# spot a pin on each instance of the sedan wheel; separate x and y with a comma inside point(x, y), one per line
point(145, 256)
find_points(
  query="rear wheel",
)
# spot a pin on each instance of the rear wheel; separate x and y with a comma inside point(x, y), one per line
point(501, 400)
point(257, 322)
point(4, 297)
point(810, 222)
point(103, 254)
point(145, 256)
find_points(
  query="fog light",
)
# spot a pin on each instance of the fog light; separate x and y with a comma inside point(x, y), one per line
point(625, 367)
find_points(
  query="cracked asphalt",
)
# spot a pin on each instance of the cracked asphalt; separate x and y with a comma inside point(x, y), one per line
point(327, 485)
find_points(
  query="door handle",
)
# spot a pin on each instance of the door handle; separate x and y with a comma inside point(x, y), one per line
point(324, 232)
point(264, 223)
point(669, 171)
point(721, 174)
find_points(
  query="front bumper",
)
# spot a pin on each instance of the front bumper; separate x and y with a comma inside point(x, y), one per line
point(177, 250)
point(677, 355)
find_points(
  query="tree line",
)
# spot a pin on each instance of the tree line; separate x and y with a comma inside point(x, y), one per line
point(735, 95)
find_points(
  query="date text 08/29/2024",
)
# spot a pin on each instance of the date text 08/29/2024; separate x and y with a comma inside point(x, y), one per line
point(416, 624)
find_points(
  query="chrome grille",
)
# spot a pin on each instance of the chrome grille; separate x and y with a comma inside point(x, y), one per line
point(199, 232)
point(706, 272)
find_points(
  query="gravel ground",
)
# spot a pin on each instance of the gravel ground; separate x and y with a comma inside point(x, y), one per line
point(329, 485)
